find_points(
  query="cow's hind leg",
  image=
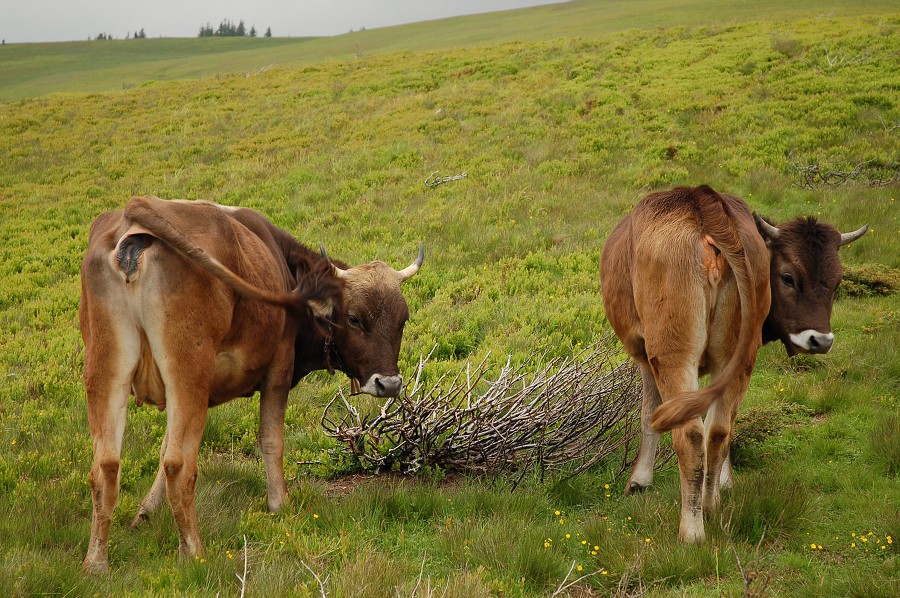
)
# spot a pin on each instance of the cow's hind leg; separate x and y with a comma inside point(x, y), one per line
point(674, 376)
point(186, 421)
point(674, 348)
point(688, 444)
point(186, 371)
point(642, 474)
point(108, 384)
point(157, 493)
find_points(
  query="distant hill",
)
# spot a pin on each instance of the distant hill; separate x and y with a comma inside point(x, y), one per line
point(31, 70)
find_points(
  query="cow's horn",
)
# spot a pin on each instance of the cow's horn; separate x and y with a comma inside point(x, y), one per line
point(337, 271)
point(850, 237)
point(411, 269)
point(769, 231)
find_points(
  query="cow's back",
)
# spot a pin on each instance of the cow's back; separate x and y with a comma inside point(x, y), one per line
point(144, 300)
point(663, 253)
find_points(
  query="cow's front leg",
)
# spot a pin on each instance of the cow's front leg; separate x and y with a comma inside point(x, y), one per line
point(272, 407)
point(642, 474)
point(157, 493)
point(719, 425)
point(726, 478)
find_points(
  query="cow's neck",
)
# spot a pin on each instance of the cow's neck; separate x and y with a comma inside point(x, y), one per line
point(309, 355)
point(769, 332)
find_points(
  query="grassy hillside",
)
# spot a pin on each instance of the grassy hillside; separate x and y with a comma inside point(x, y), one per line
point(30, 70)
point(559, 139)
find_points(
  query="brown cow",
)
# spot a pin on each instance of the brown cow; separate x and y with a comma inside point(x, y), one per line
point(693, 285)
point(188, 305)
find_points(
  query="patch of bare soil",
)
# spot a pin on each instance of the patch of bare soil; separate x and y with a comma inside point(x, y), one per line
point(344, 485)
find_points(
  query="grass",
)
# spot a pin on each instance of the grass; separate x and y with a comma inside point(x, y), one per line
point(559, 138)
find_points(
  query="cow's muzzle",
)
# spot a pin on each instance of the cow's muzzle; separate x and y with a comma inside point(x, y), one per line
point(382, 386)
point(812, 341)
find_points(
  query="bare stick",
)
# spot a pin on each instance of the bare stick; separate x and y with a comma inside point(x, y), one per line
point(563, 586)
point(243, 579)
point(433, 180)
point(318, 579)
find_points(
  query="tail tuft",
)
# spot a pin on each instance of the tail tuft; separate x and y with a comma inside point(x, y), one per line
point(678, 411)
point(317, 287)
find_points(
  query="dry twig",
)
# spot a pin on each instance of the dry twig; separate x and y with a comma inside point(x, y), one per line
point(433, 180)
point(888, 128)
point(318, 579)
point(243, 578)
point(563, 586)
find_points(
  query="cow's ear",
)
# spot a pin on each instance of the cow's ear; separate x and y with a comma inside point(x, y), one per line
point(322, 308)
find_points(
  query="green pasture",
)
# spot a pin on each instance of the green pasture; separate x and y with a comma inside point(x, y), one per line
point(559, 135)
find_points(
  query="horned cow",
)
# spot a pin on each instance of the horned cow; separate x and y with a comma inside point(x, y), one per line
point(187, 305)
point(694, 283)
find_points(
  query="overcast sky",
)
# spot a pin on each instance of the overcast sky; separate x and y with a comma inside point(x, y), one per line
point(65, 20)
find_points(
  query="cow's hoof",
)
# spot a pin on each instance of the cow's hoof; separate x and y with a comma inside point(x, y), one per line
point(95, 567)
point(140, 519)
point(635, 488)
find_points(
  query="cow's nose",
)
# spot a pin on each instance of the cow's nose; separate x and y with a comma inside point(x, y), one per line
point(389, 385)
point(813, 341)
point(820, 343)
point(383, 386)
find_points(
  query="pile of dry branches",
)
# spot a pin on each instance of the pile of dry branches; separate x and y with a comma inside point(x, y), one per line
point(569, 413)
point(869, 172)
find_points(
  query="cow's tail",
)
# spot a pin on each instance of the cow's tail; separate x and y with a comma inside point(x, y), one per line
point(317, 286)
point(718, 223)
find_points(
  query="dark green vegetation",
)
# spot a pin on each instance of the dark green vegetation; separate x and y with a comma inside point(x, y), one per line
point(559, 139)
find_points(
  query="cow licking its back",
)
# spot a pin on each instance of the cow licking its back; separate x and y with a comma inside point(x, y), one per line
point(694, 283)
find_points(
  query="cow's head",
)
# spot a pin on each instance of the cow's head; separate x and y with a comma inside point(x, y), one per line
point(805, 273)
point(367, 340)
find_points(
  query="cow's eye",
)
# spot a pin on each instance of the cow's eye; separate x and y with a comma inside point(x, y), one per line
point(788, 280)
point(354, 321)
